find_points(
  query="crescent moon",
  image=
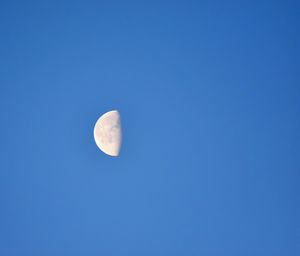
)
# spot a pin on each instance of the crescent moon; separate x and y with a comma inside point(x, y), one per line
point(107, 133)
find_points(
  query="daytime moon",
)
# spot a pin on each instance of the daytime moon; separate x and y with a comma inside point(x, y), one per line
point(107, 133)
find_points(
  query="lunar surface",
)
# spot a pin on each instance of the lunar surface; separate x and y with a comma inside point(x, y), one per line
point(107, 133)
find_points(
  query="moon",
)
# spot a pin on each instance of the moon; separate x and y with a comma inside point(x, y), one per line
point(107, 133)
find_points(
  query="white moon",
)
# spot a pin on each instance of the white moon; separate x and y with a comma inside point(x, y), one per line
point(107, 133)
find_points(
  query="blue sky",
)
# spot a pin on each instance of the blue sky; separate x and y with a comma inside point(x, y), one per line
point(208, 93)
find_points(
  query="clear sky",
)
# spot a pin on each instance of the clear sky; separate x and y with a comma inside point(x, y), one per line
point(208, 93)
